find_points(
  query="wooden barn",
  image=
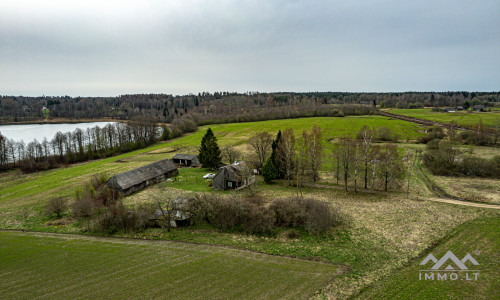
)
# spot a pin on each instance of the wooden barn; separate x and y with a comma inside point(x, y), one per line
point(186, 160)
point(234, 176)
point(137, 179)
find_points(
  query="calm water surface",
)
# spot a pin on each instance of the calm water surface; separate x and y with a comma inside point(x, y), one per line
point(29, 132)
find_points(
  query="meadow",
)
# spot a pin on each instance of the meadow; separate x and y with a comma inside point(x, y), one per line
point(383, 231)
point(76, 267)
point(460, 117)
point(480, 235)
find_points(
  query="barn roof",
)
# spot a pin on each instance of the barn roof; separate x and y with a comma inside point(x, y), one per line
point(136, 176)
point(186, 156)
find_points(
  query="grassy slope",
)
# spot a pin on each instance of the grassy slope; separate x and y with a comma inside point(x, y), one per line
point(482, 235)
point(465, 118)
point(68, 267)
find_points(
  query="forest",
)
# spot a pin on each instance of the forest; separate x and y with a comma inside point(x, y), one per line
point(226, 107)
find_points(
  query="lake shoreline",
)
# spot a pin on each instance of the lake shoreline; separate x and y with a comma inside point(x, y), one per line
point(62, 121)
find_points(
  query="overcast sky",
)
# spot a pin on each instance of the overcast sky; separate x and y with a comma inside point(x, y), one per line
point(108, 48)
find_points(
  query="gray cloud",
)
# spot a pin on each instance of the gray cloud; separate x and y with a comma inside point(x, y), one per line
point(117, 47)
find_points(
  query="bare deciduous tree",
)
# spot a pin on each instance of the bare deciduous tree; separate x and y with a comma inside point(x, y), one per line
point(345, 158)
point(231, 154)
point(366, 135)
point(167, 207)
point(313, 148)
point(391, 166)
point(261, 143)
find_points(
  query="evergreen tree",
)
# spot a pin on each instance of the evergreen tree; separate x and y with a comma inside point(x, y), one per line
point(210, 154)
point(274, 157)
point(269, 171)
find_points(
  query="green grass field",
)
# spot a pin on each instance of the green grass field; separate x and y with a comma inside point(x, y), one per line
point(461, 118)
point(76, 267)
point(482, 235)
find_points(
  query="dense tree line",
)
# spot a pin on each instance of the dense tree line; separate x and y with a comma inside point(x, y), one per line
point(480, 136)
point(354, 162)
point(82, 145)
point(225, 107)
point(442, 158)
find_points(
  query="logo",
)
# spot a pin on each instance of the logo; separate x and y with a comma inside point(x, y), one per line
point(449, 267)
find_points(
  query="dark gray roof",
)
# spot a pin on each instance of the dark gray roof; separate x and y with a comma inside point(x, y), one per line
point(186, 156)
point(136, 176)
point(236, 170)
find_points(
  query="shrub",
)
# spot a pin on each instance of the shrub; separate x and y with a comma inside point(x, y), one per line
point(251, 216)
point(225, 214)
point(288, 212)
point(201, 206)
point(313, 215)
point(319, 216)
point(256, 219)
point(385, 134)
point(84, 208)
point(56, 206)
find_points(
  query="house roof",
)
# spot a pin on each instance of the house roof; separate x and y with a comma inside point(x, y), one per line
point(235, 170)
point(136, 176)
point(185, 156)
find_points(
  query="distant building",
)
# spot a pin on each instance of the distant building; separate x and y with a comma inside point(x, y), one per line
point(460, 108)
point(186, 160)
point(180, 216)
point(448, 109)
point(234, 176)
point(137, 179)
point(478, 108)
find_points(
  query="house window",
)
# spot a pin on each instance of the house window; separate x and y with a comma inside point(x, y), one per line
point(229, 184)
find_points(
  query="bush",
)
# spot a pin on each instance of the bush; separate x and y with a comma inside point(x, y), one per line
point(385, 134)
point(56, 206)
point(225, 214)
point(201, 206)
point(256, 219)
point(319, 216)
point(288, 212)
point(313, 215)
point(251, 216)
point(117, 218)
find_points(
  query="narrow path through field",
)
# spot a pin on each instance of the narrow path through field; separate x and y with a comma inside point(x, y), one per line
point(442, 195)
point(465, 203)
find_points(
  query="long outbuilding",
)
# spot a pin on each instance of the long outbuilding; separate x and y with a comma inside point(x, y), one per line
point(186, 160)
point(137, 179)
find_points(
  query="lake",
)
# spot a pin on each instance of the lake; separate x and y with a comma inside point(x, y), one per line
point(29, 132)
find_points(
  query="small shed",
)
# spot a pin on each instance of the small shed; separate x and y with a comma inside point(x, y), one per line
point(180, 215)
point(235, 176)
point(186, 160)
point(137, 179)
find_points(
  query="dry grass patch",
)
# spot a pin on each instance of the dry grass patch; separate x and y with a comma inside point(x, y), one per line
point(484, 190)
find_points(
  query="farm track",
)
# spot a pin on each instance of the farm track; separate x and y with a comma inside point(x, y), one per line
point(442, 195)
point(421, 121)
